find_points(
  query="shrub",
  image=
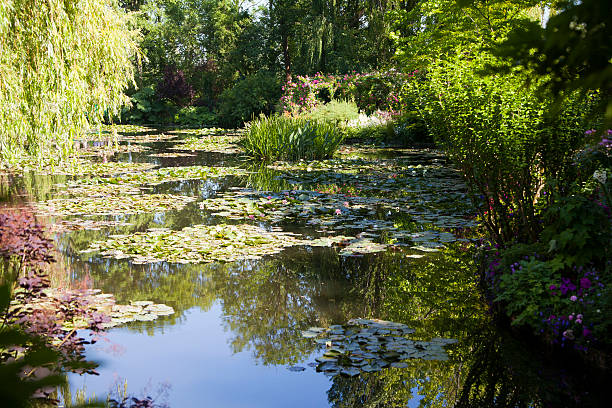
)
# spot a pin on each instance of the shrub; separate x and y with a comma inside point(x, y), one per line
point(508, 139)
point(147, 108)
point(370, 134)
point(254, 95)
point(195, 116)
point(35, 348)
point(175, 87)
point(371, 92)
point(410, 129)
point(334, 112)
point(285, 138)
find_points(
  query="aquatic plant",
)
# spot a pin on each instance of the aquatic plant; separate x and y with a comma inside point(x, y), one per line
point(203, 243)
point(369, 345)
point(112, 205)
point(285, 138)
point(213, 143)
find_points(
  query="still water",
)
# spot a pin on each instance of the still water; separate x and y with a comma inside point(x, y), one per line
point(235, 339)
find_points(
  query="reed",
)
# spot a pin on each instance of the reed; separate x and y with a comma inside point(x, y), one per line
point(285, 138)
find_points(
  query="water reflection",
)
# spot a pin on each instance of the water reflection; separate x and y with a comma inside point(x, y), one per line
point(238, 325)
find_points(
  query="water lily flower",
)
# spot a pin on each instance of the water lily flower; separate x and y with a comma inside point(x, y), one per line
point(338, 211)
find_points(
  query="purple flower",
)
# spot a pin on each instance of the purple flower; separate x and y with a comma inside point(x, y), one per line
point(573, 298)
point(568, 334)
point(585, 283)
point(606, 143)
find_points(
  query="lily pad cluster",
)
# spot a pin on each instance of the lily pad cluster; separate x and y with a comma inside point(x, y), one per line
point(112, 205)
point(122, 128)
point(216, 144)
point(77, 167)
point(94, 188)
point(137, 311)
point(110, 149)
point(81, 224)
point(384, 178)
point(332, 212)
point(172, 154)
point(370, 345)
point(203, 243)
point(111, 313)
point(207, 131)
point(168, 174)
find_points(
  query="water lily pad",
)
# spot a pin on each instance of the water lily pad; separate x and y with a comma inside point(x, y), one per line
point(199, 244)
point(112, 205)
point(369, 345)
point(296, 369)
point(213, 143)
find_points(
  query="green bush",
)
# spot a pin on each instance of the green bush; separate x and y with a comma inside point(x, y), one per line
point(254, 95)
point(508, 139)
point(370, 134)
point(285, 138)
point(147, 108)
point(195, 116)
point(410, 129)
point(334, 111)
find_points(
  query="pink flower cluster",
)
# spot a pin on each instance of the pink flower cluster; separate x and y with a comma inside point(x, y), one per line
point(302, 93)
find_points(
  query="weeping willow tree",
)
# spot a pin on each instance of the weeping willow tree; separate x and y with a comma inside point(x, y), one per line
point(63, 66)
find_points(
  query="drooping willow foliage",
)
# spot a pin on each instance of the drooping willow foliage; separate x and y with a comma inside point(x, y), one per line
point(63, 65)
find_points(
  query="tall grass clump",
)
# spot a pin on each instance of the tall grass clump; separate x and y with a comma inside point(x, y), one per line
point(285, 138)
point(64, 65)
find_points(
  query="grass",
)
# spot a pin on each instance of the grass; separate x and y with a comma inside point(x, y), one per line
point(284, 138)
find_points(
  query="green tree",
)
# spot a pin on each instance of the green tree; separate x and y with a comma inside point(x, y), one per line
point(63, 66)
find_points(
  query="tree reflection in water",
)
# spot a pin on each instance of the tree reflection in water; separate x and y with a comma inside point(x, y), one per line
point(267, 303)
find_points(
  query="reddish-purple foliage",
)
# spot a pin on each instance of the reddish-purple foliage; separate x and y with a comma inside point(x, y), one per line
point(22, 240)
point(175, 87)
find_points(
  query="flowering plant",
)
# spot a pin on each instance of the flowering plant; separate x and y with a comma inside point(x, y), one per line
point(371, 91)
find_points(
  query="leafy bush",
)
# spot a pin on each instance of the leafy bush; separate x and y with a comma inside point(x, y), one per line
point(335, 112)
point(254, 95)
point(560, 285)
point(379, 91)
point(285, 138)
point(175, 87)
point(410, 129)
point(508, 139)
point(195, 116)
point(147, 108)
point(35, 348)
point(370, 134)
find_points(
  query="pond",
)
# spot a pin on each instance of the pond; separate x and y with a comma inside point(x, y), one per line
point(345, 283)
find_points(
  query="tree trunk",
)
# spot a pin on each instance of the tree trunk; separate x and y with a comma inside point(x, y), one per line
point(286, 58)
